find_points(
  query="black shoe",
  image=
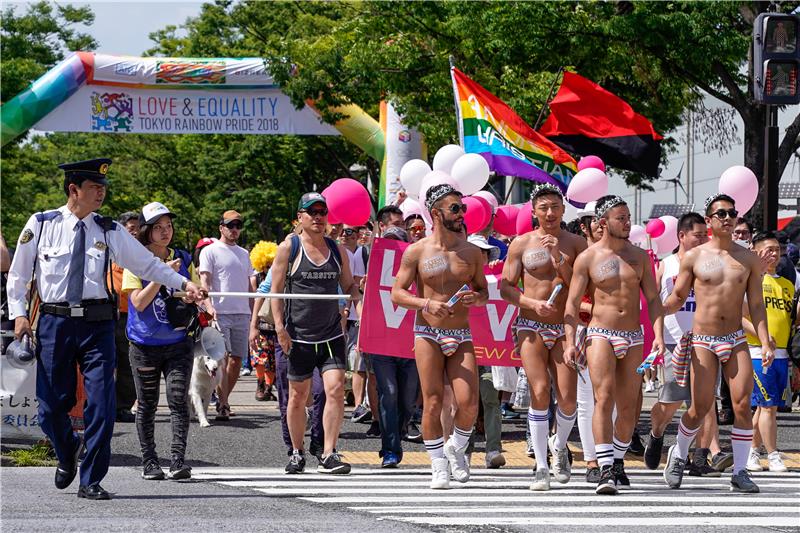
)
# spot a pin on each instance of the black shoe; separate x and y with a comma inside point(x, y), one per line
point(374, 429)
point(93, 492)
point(297, 463)
point(593, 474)
point(65, 473)
point(333, 464)
point(178, 470)
point(152, 470)
point(636, 447)
point(606, 484)
point(413, 434)
point(722, 461)
point(361, 415)
point(620, 477)
point(725, 417)
point(652, 453)
point(125, 416)
point(316, 449)
point(699, 466)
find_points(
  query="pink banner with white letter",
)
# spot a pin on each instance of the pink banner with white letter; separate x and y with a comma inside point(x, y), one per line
point(388, 330)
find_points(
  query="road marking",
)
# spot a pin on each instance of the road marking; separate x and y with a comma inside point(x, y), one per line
point(680, 509)
point(736, 521)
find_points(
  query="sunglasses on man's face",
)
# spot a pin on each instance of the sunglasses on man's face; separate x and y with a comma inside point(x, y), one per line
point(349, 231)
point(234, 225)
point(722, 214)
point(320, 212)
point(455, 208)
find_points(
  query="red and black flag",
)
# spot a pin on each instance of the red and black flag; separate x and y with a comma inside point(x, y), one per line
point(586, 119)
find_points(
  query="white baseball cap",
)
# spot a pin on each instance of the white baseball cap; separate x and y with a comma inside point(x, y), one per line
point(153, 211)
point(481, 242)
point(588, 210)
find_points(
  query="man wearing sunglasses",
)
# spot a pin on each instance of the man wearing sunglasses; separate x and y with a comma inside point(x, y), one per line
point(542, 259)
point(225, 267)
point(441, 265)
point(721, 273)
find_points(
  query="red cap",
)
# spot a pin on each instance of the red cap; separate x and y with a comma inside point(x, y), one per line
point(202, 243)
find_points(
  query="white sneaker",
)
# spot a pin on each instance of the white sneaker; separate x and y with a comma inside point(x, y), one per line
point(459, 466)
point(648, 387)
point(441, 474)
point(495, 459)
point(754, 461)
point(541, 481)
point(776, 462)
point(559, 462)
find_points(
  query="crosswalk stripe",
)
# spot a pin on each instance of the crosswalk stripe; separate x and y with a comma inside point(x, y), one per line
point(739, 521)
point(680, 509)
point(530, 497)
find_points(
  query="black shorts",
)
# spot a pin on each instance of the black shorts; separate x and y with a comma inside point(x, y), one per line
point(304, 358)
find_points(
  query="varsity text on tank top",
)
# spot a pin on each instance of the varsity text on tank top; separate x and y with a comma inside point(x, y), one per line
point(314, 321)
point(679, 323)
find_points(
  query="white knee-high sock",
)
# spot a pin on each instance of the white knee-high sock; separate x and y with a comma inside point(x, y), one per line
point(538, 423)
point(460, 437)
point(565, 425)
point(435, 448)
point(605, 454)
point(620, 448)
point(741, 442)
point(585, 412)
point(685, 438)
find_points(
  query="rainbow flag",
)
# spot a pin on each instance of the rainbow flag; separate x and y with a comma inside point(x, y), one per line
point(487, 126)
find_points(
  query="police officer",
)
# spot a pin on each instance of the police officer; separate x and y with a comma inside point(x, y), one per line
point(69, 249)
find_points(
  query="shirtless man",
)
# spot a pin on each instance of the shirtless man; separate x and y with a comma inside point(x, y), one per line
point(721, 273)
point(614, 270)
point(543, 259)
point(441, 265)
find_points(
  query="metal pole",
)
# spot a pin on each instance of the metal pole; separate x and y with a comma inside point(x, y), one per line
point(771, 177)
point(280, 296)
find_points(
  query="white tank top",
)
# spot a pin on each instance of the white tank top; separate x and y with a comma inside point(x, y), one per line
point(679, 323)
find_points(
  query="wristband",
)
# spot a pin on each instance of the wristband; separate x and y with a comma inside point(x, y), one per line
point(561, 261)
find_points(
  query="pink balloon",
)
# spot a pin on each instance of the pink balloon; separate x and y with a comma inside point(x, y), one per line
point(524, 219)
point(489, 197)
point(588, 185)
point(478, 213)
point(655, 228)
point(668, 240)
point(348, 202)
point(591, 161)
point(505, 220)
point(741, 184)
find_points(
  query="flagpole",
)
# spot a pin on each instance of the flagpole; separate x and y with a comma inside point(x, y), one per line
point(538, 122)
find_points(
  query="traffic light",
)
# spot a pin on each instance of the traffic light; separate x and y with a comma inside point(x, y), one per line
point(776, 58)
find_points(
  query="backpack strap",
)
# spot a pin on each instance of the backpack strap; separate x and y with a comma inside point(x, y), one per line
point(334, 248)
point(293, 253)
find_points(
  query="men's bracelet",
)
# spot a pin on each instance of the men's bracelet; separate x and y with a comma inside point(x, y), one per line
point(561, 260)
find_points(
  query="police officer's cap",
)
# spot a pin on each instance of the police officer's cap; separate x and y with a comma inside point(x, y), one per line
point(93, 169)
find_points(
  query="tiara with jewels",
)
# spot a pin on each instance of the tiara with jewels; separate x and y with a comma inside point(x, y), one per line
point(714, 197)
point(437, 192)
point(545, 188)
point(602, 207)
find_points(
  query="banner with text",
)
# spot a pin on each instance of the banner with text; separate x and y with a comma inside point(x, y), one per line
point(107, 109)
point(388, 330)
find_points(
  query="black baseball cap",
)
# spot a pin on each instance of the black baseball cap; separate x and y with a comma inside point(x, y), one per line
point(309, 199)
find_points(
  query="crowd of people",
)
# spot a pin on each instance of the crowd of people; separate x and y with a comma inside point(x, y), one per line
point(721, 311)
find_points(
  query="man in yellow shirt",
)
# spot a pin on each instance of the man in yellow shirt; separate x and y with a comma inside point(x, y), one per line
point(770, 381)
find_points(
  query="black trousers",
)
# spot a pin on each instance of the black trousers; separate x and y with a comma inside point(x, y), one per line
point(126, 389)
point(149, 363)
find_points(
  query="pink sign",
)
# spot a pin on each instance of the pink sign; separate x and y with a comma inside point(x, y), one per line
point(388, 330)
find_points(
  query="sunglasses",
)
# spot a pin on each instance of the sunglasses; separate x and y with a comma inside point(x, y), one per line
point(455, 208)
point(722, 214)
point(321, 212)
point(349, 231)
point(234, 225)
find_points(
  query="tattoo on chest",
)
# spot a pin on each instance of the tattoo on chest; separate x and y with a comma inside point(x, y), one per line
point(607, 269)
point(435, 265)
point(711, 266)
point(535, 258)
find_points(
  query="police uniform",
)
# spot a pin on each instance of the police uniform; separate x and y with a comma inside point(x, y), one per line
point(76, 323)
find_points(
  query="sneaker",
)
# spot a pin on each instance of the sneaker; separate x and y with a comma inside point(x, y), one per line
point(620, 477)
point(245, 372)
point(722, 461)
point(529, 451)
point(361, 415)
point(606, 484)
point(440, 469)
point(495, 459)
point(459, 466)
point(374, 429)
point(673, 471)
point(413, 434)
point(699, 466)
point(754, 461)
point(741, 482)
point(593, 474)
point(333, 464)
point(776, 462)
point(390, 460)
point(559, 462)
point(648, 387)
point(636, 447)
point(541, 480)
point(297, 463)
point(652, 452)
point(178, 470)
point(508, 412)
point(152, 471)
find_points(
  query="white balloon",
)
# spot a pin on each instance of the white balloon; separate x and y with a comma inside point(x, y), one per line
point(436, 177)
point(446, 157)
point(570, 212)
point(489, 197)
point(638, 234)
point(411, 176)
point(471, 172)
point(410, 207)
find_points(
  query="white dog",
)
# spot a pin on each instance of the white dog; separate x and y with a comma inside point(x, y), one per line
point(207, 373)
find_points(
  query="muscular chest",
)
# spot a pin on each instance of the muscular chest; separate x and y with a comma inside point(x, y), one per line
point(716, 270)
point(444, 265)
point(615, 270)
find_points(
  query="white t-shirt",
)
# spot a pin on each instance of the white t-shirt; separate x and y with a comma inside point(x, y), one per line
point(230, 269)
point(358, 269)
point(681, 322)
